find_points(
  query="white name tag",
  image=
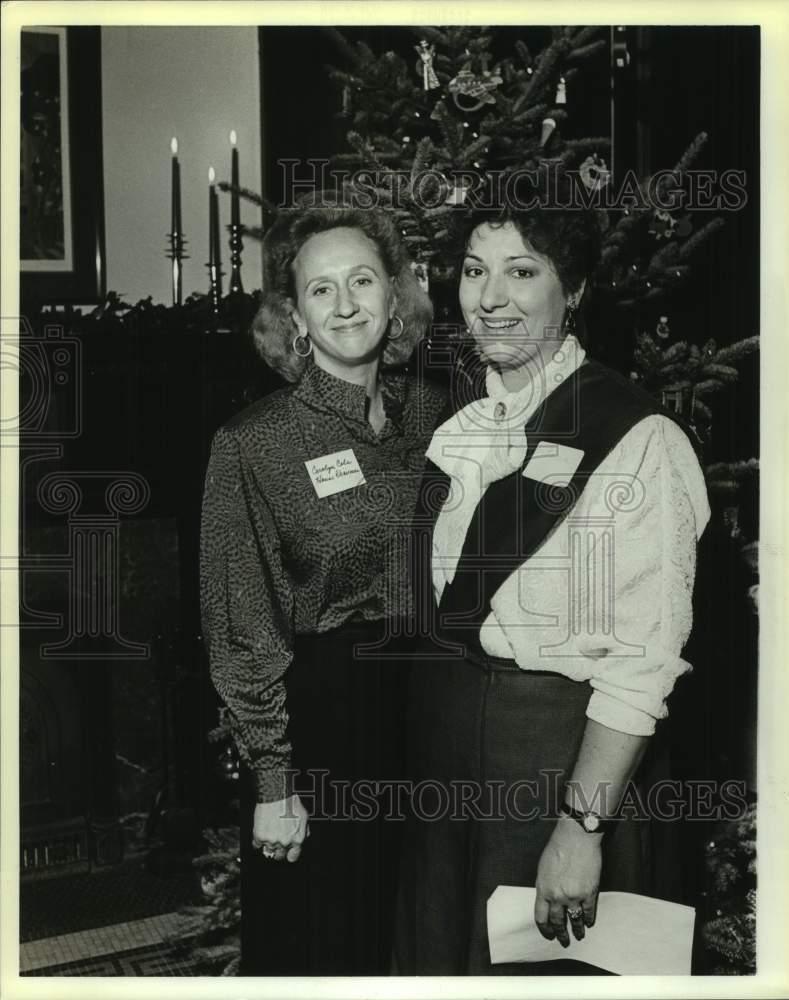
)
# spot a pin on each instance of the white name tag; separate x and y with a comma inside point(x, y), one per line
point(553, 463)
point(334, 473)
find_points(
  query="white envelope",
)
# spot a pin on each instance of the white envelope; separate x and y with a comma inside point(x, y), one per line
point(633, 935)
point(553, 463)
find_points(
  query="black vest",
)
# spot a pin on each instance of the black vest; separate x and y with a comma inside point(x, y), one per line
point(592, 411)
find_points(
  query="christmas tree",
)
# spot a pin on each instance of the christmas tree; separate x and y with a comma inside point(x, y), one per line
point(424, 136)
point(730, 933)
point(427, 136)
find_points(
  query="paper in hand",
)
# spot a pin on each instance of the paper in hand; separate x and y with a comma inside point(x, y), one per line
point(632, 936)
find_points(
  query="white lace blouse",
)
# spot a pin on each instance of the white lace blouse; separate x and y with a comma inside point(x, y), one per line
point(606, 598)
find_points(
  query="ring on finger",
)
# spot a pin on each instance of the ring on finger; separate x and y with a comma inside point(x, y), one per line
point(268, 852)
point(575, 912)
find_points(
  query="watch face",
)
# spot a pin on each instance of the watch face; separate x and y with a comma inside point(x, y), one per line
point(591, 822)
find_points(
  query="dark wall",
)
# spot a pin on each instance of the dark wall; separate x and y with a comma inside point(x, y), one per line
point(707, 79)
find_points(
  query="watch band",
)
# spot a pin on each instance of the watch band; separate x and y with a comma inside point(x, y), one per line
point(589, 820)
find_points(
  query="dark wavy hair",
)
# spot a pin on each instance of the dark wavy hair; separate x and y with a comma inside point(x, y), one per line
point(273, 328)
point(569, 237)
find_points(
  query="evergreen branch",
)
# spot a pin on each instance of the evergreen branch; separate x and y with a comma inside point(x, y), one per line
point(344, 46)
point(254, 232)
point(366, 54)
point(523, 53)
point(692, 244)
point(547, 66)
point(708, 386)
point(433, 35)
point(732, 470)
point(704, 411)
point(678, 350)
point(575, 148)
point(477, 147)
point(663, 259)
point(586, 51)
point(249, 195)
point(691, 154)
point(723, 372)
point(536, 112)
point(737, 351)
point(422, 157)
point(586, 34)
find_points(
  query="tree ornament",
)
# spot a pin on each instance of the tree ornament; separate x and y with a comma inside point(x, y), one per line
point(212, 883)
point(662, 224)
point(662, 329)
point(459, 192)
point(679, 400)
point(424, 67)
point(731, 519)
point(594, 173)
point(346, 101)
point(420, 273)
point(470, 90)
point(227, 765)
point(548, 125)
point(561, 92)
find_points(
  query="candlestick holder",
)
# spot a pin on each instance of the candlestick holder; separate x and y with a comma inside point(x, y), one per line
point(236, 246)
point(215, 273)
point(176, 255)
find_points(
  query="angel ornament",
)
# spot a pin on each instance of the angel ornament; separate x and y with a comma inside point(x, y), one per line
point(425, 65)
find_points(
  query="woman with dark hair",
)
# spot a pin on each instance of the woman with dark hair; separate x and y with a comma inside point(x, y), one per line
point(561, 565)
point(308, 500)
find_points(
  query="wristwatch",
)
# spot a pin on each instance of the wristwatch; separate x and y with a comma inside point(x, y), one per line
point(589, 821)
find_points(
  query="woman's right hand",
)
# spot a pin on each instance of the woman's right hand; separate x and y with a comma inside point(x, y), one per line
point(280, 828)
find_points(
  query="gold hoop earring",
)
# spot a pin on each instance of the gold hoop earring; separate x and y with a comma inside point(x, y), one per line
point(296, 351)
point(399, 334)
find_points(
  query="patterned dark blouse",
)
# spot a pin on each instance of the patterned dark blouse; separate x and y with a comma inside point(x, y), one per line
point(277, 561)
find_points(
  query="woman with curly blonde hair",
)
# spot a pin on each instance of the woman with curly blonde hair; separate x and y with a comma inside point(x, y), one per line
point(308, 502)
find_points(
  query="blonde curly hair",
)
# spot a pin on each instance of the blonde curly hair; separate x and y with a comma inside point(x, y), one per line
point(273, 329)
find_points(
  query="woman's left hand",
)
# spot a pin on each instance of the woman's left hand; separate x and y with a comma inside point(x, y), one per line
point(568, 880)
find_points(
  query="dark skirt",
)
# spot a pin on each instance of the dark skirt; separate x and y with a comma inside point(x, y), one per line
point(331, 912)
point(492, 746)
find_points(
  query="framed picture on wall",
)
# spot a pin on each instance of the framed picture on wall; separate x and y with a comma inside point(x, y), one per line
point(61, 224)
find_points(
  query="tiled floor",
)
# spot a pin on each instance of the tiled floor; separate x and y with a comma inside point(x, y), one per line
point(127, 892)
point(134, 948)
point(117, 921)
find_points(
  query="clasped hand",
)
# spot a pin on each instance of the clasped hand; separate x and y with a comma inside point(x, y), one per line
point(280, 828)
point(568, 881)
